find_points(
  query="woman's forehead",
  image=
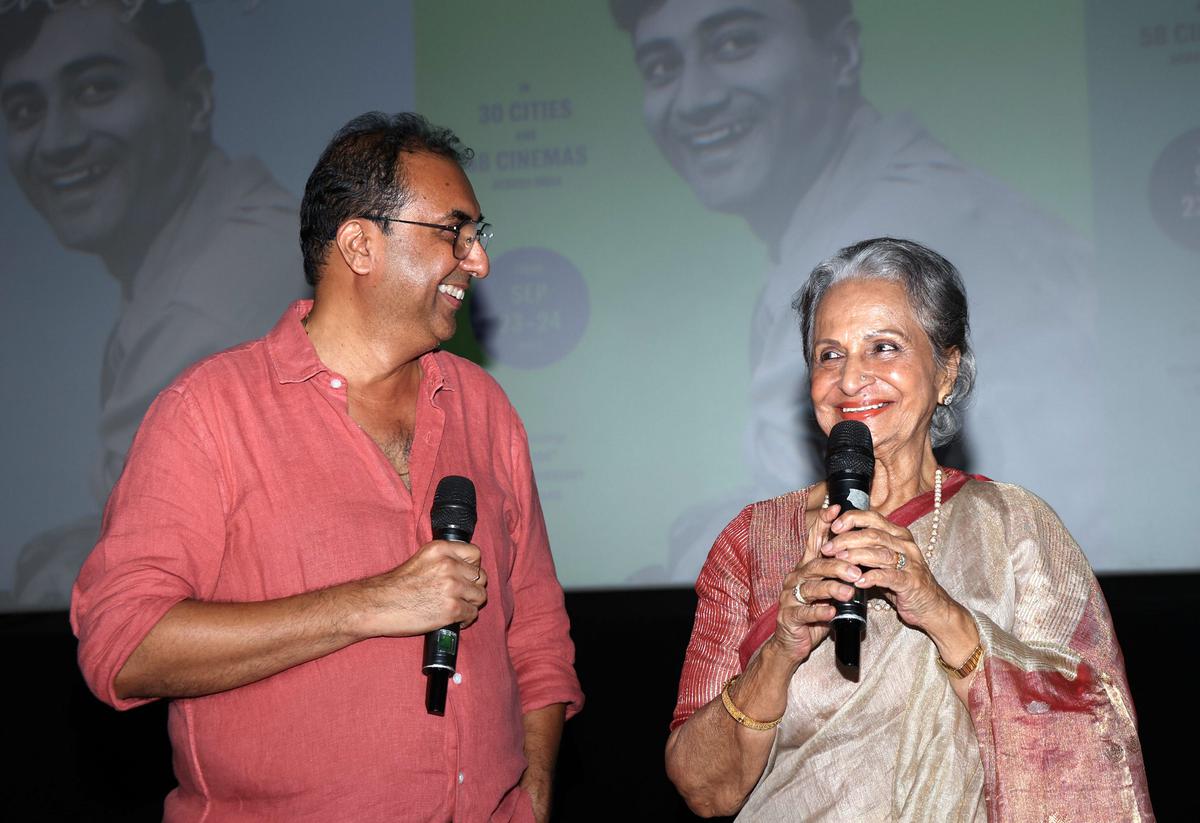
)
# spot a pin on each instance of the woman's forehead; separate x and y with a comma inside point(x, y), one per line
point(862, 300)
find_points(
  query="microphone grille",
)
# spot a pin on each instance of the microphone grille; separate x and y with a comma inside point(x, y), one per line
point(453, 504)
point(850, 449)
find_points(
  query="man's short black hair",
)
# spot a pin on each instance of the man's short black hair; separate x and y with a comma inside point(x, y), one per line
point(823, 15)
point(169, 29)
point(361, 173)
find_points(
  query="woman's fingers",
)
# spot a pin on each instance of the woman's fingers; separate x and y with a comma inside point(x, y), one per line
point(894, 580)
point(834, 567)
point(874, 549)
point(855, 519)
point(817, 585)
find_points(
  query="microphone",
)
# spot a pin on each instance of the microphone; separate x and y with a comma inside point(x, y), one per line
point(849, 468)
point(453, 518)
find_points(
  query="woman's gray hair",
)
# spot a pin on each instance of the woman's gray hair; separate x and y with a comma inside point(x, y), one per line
point(936, 296)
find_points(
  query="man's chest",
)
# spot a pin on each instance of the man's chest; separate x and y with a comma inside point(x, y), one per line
point(391, 428)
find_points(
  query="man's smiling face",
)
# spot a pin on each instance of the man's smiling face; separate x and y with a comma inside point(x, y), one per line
point(94, 132)
point(736, 94)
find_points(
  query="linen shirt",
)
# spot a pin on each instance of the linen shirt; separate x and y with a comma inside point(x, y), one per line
point(215, 275)
point(249, 481)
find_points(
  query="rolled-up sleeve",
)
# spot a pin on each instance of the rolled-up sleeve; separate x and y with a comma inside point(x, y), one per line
point(161, 542)
point(539, 638)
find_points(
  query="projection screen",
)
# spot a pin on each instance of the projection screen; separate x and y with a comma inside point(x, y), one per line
point(662, 180)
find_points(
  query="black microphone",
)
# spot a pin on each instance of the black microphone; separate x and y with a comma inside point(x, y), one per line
point(849, 468)
point(453, 518)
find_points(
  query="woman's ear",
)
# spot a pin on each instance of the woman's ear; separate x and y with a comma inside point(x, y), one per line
point(949, 374)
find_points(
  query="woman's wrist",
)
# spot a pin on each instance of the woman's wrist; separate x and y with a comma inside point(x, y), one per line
point(957, 637)
point(778, 658)
point(761, 690)
point(741, 717)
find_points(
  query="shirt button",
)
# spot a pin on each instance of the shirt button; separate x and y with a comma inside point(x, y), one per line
point(461, 777)
point(335, 383)
point(457, 678)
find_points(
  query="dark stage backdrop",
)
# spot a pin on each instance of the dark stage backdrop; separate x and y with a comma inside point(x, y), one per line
point(72, 758)
point(660, 186)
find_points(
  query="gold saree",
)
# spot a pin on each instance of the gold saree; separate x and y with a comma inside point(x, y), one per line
point(1050, 733)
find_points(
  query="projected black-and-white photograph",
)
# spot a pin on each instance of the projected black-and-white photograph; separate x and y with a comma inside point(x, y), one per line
point(758, 106)
point(403, 396)
point(151, 219)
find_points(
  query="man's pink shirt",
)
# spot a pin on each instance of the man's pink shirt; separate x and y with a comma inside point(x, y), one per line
point(249, 481)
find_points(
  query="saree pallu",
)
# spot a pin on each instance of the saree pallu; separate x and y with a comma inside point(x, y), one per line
point(1050, 733)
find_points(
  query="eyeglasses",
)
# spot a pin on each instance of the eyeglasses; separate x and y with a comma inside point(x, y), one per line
point(466, 233)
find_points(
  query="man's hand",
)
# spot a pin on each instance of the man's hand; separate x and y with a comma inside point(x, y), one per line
point(442, 584)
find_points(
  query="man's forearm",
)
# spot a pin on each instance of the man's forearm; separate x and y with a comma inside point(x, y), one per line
point(200, 648)
point(543, 733)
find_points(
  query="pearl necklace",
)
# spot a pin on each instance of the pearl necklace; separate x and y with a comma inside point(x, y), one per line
point(930, 551)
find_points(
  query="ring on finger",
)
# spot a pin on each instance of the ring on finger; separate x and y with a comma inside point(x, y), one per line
point(901, 561)
point(799, 597)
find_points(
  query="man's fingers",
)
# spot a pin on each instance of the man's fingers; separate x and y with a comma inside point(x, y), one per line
point(466, 552)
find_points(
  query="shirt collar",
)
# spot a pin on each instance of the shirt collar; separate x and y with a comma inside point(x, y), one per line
point(433, 376)
point(295, 360)
point(292, 354)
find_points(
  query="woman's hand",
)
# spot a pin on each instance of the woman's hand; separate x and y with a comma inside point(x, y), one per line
point(870, 540)
point(801, 626)
point(892, 561)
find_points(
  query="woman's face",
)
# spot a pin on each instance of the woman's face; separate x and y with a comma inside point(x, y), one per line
point(872, 362)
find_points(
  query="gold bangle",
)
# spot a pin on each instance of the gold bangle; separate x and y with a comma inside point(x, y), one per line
point(962, 671)
point(740, 716)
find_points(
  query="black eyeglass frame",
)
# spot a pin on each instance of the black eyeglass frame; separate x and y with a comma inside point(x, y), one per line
point(483, 232)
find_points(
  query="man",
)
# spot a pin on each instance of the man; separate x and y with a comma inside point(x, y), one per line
point(756, 104)
point(266, 559)
point(108, 112)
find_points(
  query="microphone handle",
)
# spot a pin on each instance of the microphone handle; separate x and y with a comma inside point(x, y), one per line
point(849, 625)
point(441, 654)
point(849, 622)
point(441, 647)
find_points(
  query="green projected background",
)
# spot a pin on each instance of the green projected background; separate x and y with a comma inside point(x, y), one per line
point(1050, 150)
point(641, 416)
point(637, 402)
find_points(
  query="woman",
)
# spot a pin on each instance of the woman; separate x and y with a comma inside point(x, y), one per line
point(992, 687)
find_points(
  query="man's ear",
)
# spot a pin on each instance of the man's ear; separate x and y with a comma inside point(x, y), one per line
point(847, 54)
point(357, 241)
point(197, 94)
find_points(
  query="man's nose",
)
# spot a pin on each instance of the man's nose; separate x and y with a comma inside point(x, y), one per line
point(701, 93)
point(477, 263)
point(62, 135)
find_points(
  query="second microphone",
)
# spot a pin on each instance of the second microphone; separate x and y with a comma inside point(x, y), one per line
point(452, 517)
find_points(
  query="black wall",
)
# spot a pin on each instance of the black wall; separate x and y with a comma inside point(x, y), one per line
point(72, 758)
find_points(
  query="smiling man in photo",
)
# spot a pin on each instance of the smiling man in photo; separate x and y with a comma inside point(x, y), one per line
point(107, 116)
point(757, 105)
